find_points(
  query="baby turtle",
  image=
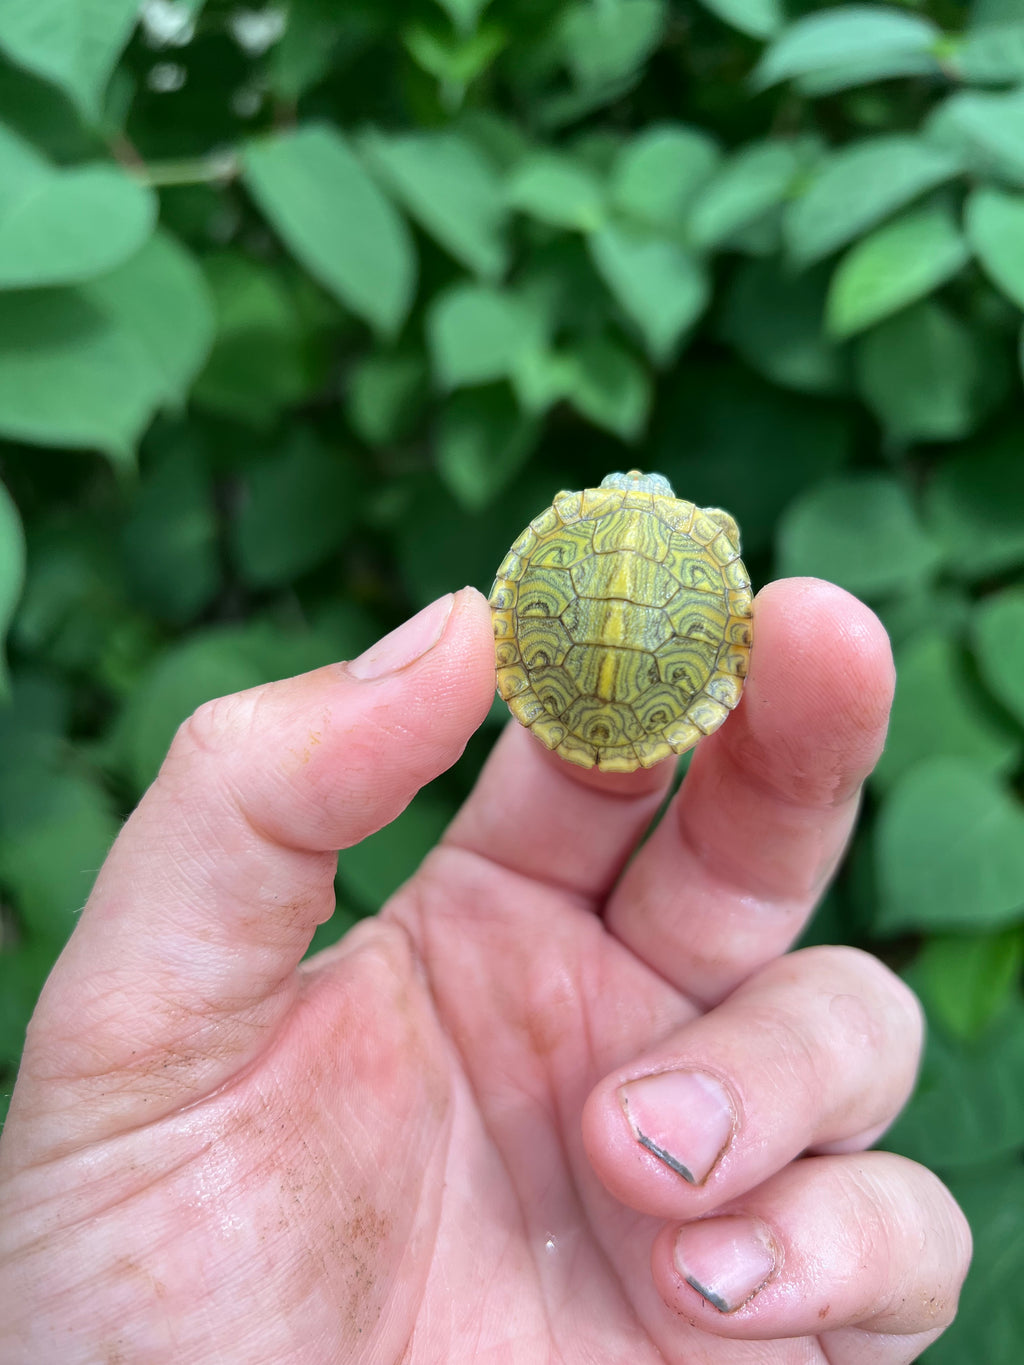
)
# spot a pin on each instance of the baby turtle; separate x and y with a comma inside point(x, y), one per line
point(622, 623)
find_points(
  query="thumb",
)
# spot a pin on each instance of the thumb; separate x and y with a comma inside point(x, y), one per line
point(183, 962)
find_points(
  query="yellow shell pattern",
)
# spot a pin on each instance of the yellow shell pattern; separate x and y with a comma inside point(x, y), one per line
point(622, 623)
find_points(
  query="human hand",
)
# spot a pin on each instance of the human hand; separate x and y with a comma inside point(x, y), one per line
point(415, 1146)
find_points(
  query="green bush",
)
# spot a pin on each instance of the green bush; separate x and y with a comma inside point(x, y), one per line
point(305, 311)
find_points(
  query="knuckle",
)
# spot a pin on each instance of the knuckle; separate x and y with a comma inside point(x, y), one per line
point(879, 1007)
point(215, 725)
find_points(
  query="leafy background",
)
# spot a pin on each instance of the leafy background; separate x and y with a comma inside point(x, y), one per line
point(305, 310)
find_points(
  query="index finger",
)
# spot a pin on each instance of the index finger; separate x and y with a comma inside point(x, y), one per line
point(731, 874)
point(533, 813)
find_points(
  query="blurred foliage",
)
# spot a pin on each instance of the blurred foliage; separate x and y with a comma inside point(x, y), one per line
point(305, 309)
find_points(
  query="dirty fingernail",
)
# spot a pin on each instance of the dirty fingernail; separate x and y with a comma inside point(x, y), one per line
point(727, 1260)
point(684, 1118)
point(405, 644)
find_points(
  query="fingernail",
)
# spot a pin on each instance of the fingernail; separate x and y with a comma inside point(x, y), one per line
point(684, 1118)
point(727, 1260)
point(406, 643)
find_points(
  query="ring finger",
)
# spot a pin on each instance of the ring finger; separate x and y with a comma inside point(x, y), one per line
point(817, 1052)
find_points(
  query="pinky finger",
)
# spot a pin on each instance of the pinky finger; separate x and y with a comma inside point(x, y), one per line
point(867, 1252)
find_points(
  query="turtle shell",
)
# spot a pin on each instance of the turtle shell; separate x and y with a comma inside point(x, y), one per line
point(622, 623)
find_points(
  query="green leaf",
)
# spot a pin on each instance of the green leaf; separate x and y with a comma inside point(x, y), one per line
point(385, 396)
point(897, 264)
point(160, 297)
point(859, 531)
point(452, 190)
point(967, 980)
point(58, 828)
point(169, 543)
point(33, 723)
point(65, 226)
point(995, 229)
point(758, 18)
point(72, 375)
point(73, 614)
point(999, 642)
point(859, 186)
point(992, 55)
point(720, 427)
point(297, 507)
point(949, 845)
point(775, 320)
point(12, 574)
point(969, 1104)
point(208, 663)
point(478, 334)
point(35, 110)
point(657, 174)
point(310, 44)
point(259, 362)
point(483, 441)
point(750, 184)
point(335, 220)
point(989, 1324)
point(606, 44)
point(922, 374)
point(984, 131)
point(23, 971)
point(974, 508)
point(659, 284)
point(923, 607)
point(936, 710)
point(73, 43)
point(605, 384)
point(464, 13)
point(846, 34)
point(557, 190)
point(88, 367)
point(883, 66)
point(454, 62)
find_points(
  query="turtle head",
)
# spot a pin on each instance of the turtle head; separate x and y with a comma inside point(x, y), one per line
point(635, 482)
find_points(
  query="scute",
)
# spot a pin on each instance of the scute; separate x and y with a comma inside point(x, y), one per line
point(622, 623)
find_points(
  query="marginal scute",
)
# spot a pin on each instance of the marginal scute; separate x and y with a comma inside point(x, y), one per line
point(723, 549)
point(503, 595)
point(512, 680)
point(526, 542)
point(567, 507)
point(726, 688)
point(707, 714)
point(600, 502)
point(548, 521)
point(511, 567)
point(622, 623)
point(704, 529)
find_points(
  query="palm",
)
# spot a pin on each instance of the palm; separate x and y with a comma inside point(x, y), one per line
point(481, 1098)
point(410, 1148)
